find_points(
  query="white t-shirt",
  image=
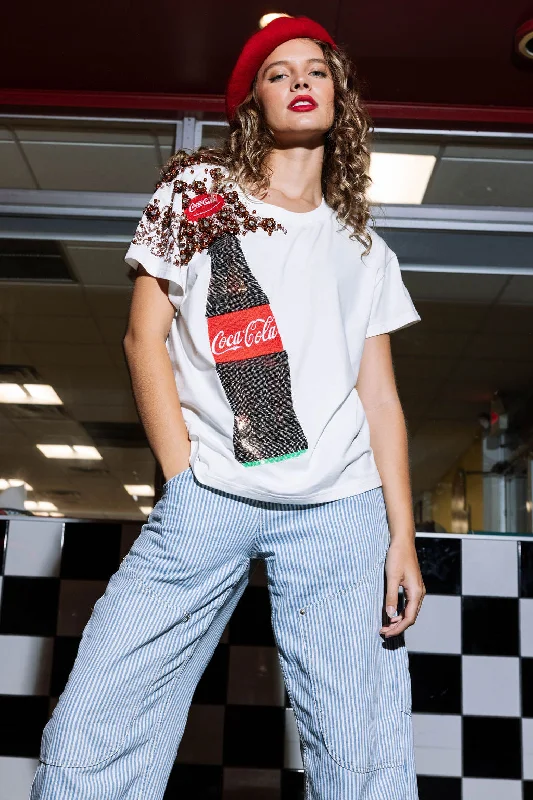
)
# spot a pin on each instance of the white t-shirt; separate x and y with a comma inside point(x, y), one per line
point(272, 311)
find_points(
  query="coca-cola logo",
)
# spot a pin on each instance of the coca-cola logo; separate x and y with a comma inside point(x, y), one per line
point(204, 205)
point(244, 334)
point(257, 331)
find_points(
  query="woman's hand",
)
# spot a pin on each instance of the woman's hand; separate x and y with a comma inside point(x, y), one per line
point(402, 568)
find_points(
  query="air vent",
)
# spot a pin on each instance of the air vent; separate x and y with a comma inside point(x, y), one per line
point(35, 411)
point(71, 494)
point(19, 373)
point(32, 260)
point(116, 434)
point(88, 470)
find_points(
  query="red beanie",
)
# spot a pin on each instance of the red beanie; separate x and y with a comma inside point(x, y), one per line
point(260, 45)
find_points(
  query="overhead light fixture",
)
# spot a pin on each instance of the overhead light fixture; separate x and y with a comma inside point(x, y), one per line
point(47, 514)
point(6, 483)
point(146, 510)
point(79, 451)
point(86, 451)
point(399, 178)
point(39, 505)
point(139, 489)
point(524, 39)
point(36, 393)
point(266, 19)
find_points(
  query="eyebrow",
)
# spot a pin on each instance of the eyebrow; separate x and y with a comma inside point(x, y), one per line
point(285, 63)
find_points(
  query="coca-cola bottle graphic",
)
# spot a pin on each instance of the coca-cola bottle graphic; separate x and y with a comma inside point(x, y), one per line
point(250, 360)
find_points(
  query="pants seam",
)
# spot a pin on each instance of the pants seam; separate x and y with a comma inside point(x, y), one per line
point(157, 727)
point(148, 589)
point(348, 587)
point(319, 711)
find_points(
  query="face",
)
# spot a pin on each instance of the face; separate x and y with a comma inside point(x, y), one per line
point(296, 92)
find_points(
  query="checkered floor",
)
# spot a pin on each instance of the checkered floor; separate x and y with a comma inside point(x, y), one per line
point(471, 661)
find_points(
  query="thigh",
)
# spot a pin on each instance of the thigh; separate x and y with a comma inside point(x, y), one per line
point(189, 558)
point(349, 687)
point(321, 549)
point(194, 543)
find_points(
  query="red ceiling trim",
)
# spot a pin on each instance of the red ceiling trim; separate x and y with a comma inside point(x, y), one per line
point(134, 101)
point(124, 101)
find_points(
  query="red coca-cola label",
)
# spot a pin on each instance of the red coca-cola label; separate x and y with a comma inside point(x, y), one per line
point(204, 205)
point(244, 334)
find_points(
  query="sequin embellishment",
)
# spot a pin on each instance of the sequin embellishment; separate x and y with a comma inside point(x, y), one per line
point(160, 228)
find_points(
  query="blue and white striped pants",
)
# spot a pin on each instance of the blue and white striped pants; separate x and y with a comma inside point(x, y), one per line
point(116, 729)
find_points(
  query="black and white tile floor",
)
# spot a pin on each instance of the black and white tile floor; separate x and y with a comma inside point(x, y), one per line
point(471, 661)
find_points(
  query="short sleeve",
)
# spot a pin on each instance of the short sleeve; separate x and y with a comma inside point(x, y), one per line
point(155, 243)
point(392, 307)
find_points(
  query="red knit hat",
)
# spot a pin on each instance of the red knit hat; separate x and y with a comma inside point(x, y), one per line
point(260, 45)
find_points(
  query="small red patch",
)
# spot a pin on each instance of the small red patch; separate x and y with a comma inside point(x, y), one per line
point(204, 205)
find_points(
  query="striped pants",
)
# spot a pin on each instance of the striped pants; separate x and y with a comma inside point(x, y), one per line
point(116, 729)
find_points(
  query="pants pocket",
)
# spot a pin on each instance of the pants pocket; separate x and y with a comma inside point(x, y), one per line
point(176, 478)
point(360, 682)
point(131, 649)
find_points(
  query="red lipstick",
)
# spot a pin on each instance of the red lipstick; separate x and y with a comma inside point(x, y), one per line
point(303, 102)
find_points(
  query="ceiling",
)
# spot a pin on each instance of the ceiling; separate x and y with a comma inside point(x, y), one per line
point(446, 52)
point(112, 157)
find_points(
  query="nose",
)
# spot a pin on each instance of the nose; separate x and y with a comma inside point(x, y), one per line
point(300, 84)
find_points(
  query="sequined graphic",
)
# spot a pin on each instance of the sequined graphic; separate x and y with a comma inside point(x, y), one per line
point(250, 360)
point(160, 229)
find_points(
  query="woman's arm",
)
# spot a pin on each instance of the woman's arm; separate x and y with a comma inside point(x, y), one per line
point(376, 387)
point(152, 377)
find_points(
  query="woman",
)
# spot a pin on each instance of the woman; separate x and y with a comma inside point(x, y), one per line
point(260, 361)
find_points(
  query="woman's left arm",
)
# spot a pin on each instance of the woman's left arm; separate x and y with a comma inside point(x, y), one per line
point(376, 387)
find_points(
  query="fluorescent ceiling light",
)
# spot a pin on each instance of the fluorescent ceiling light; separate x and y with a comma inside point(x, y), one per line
point(47, 514)
point(37, 393)
point(12, 393)
point(139, 489)
point(66, 451)
point(399, 178)
point(6, 483)
point(39, 505)
point(86, 451)
point(266, 19)
point(43, 394)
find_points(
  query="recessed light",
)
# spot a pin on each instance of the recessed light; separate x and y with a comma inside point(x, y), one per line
point(399, 178)
point(78, 451)
point(6, 483)
point(43, 394)
point(266, 19)
point(39, 505)
point(12, 393)
point(86, 451)
point(37, 393)
point(139, 489)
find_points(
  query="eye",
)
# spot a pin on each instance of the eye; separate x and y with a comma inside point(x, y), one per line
point(319, 72)
point(275, 77)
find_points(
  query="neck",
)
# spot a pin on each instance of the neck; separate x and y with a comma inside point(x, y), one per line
point(297, 172)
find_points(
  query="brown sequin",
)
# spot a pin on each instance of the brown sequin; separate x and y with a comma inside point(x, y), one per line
point(159, 229)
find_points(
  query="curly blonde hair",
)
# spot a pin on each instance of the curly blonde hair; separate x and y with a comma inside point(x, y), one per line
point(346, 162)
